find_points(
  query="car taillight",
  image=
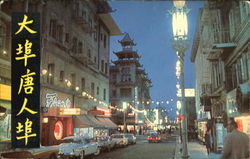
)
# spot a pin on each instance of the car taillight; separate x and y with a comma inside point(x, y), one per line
point(149, 138)
point(158, 138)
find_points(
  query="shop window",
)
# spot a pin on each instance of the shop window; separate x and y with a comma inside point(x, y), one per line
point(58, 130)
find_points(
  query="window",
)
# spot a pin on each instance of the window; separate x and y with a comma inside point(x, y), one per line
point(105, 41)
point(74, 45)
point(114, 93)
point(106, 68)
point(89, 53)
point(61, 76)
point(126, 92)
point(67, 37)
point(51, 70)
point(2, 35)
point(73, 79)
point(60, 33)
point(79, 47)
point(104, 94)
point(92, 89)
point(102, 65)
point(83, 84)
point(52, 28)
point(97, 90)
point(95, 59)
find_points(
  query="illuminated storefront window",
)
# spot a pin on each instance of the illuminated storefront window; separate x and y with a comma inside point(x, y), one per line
point(58, 131)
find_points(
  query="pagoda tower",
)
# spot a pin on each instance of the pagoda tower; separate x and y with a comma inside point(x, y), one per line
point(127, 85)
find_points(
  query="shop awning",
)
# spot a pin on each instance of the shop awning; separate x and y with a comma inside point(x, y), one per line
point(107, 122)
point(82, 121)
point(98, 124)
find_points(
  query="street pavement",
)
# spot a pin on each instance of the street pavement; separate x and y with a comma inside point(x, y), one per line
point(143, 150)
point(196, 151)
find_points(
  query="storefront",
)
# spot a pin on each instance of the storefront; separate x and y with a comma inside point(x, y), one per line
point(202, 128)
point(56, 119)
point(5, 111)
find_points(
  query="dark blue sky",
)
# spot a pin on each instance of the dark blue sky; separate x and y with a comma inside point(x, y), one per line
point(150, 25)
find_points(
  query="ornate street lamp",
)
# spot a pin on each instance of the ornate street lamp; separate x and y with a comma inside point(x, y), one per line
point(180, 45)
point(124, 107)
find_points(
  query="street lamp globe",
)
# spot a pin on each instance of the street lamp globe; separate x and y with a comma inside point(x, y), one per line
point(180, 24)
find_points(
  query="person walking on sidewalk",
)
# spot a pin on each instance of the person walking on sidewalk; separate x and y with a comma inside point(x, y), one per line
point(236, 143)
point(208, 142)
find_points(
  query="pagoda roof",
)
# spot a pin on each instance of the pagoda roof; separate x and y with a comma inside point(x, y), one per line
point(142, 71)
point(127, 53)
point(126, 41)
point(128, 61)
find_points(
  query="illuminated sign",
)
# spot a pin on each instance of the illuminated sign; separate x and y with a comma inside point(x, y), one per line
point(189, 92)
point(70, 111)
point(25, 80)
point(5, 92)
point(107, 112)
point(52, 100)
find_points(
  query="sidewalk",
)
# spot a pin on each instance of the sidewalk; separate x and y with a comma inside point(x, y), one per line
point(196, 151)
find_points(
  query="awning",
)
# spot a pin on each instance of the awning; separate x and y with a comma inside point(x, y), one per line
point(82, 121)
point(107, 122)
point(98, 124)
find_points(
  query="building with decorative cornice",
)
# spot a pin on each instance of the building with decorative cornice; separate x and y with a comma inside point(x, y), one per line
point(129, 83)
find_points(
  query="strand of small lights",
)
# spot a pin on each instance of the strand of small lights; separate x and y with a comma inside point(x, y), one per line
point(90, 97)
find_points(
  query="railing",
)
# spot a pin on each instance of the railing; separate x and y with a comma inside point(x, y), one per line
point(222, 36)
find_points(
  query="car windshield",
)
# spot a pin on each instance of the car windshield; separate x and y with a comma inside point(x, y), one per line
point(154, 135)
point(128, 135)
point(117, 136)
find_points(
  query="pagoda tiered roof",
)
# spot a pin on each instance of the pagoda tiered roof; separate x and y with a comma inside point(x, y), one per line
point(127, 53)
point(127, 41)
point(127, 61)
point(141, 71)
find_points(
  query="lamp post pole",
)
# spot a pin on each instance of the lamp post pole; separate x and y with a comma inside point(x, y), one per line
point(183, 109)
point(180, 29)
point(124, 106)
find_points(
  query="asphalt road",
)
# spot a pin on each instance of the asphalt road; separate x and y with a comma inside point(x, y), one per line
point(143, 150)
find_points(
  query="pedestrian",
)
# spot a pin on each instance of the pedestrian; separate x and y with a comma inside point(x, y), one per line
point(208, 142)
point(236, 143)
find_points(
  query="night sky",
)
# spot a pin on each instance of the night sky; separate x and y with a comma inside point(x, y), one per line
point(150, 25)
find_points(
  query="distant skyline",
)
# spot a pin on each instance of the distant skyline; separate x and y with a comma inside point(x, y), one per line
point(149, 24)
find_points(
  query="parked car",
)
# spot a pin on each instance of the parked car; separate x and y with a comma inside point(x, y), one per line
point(105, 142)
point(149, 132)
point(154, 137)
point(44, 152)
point(120, 139)
point(77, 146)
point(131, 138)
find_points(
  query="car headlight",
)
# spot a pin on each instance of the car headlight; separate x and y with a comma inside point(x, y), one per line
point(71, 153)
point(76, 149)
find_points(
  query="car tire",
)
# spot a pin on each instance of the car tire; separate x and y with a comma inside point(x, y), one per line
point(98, 151)
point(82, 155)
